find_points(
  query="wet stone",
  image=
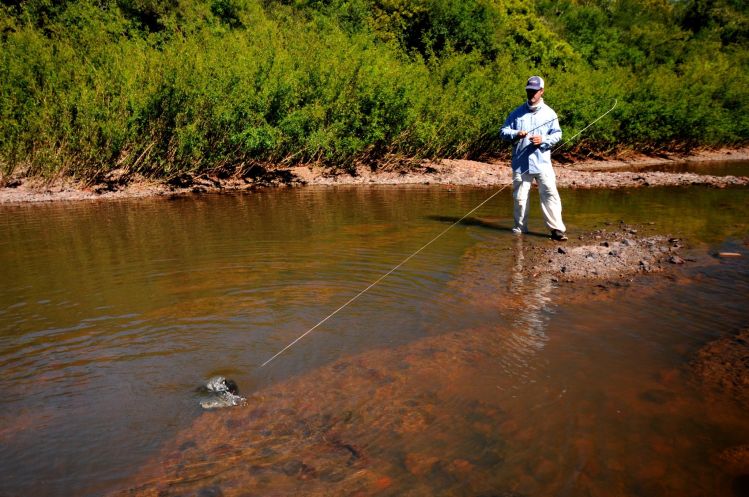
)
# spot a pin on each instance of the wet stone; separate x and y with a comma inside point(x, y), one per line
point(292, 468)
point(257, 413)
point(234, 424)
point(490, 458)
point(729, 254)
point(212, 491)
point(190, 444)
point(257, 470)
point(440, 476)
point(340, 366)
point(735, 460)
point(332, 475)
point(307, 472)
point(267, 452)
point(420, 464)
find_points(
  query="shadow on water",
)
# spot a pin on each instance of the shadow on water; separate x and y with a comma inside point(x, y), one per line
point(483, 223)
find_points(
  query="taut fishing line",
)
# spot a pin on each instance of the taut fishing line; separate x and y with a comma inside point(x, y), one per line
point(616, 101)
point(419, 250)
point(384, 276)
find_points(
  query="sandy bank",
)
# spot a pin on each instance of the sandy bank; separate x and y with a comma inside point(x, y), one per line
point(120, 184)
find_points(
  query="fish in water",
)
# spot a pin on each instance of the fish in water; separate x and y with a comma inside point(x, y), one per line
point(221, 392)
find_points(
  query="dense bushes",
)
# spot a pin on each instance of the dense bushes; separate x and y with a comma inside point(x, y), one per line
point(191, 85)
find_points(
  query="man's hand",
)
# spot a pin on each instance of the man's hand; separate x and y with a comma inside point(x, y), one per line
point(537, 139)
point(522, 134)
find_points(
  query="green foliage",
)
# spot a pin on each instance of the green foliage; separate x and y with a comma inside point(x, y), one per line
point(192, 85)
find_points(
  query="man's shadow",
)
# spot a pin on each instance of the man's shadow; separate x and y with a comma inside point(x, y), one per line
point(483, 223)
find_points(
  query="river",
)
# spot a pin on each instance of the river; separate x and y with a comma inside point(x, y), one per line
point(113, 313)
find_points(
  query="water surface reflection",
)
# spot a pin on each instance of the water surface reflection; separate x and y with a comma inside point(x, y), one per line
point(712, 168)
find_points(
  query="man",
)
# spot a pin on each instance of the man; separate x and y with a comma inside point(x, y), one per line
point(534, 130)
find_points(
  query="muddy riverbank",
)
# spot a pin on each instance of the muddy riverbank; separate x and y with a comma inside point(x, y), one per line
point(120, 184)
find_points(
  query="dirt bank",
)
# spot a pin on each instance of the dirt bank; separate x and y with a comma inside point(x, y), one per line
point(573, 174)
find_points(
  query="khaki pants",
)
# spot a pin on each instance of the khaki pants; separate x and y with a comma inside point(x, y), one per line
point(551, 204)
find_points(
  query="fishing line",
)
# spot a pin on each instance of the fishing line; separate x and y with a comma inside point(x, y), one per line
point(616, 101)
point(384, 275)
point(414, 254)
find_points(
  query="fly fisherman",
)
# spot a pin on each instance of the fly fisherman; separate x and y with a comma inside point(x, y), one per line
point(533, 129)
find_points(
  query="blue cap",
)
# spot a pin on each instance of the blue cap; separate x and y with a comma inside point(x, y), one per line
point(534, 83)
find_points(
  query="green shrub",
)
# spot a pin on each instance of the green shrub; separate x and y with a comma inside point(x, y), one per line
point(193, 85)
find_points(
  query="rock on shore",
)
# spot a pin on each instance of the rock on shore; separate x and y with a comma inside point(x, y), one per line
point(607, 254)
point(119, 183)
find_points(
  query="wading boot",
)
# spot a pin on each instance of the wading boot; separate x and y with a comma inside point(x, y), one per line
point(558, 235)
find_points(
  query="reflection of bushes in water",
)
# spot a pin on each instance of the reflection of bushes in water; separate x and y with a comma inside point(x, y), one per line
point(165, 87)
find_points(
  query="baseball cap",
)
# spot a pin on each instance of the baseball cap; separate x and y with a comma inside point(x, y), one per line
point(534, 83)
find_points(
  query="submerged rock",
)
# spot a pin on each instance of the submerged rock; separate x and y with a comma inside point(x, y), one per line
point(221, 392)
point(723, 366)
point(735, 460)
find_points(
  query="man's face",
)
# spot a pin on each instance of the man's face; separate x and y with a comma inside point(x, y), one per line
point(534, 96)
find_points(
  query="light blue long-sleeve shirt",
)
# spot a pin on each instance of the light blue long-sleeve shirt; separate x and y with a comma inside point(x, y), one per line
point(527, 157)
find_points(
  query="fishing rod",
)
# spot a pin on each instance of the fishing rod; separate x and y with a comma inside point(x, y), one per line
point(616, 101)
point(378, 280)
point(517, 138)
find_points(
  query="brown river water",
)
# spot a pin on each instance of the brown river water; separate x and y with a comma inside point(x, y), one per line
point(714, 168)
point(459, 374)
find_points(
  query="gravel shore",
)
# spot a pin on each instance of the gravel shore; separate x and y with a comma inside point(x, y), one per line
point(119, 184)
